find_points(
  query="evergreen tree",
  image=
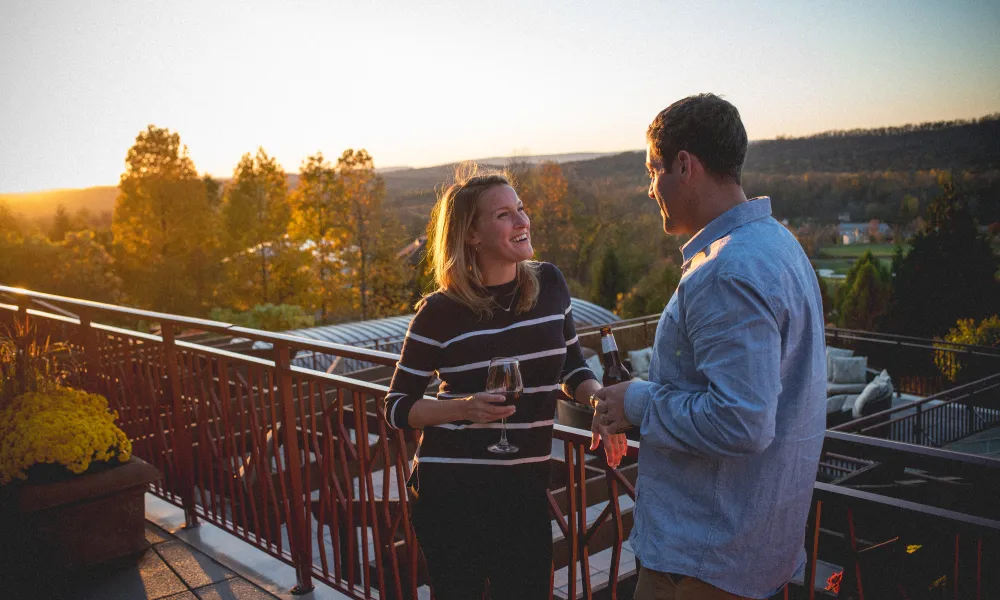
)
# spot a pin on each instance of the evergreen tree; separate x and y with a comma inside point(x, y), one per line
point(609, 280)
point(864, 298)
point(950, 272)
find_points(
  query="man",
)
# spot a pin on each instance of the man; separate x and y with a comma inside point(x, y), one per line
point(733, 415)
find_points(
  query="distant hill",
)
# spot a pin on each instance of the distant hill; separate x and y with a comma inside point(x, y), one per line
point(961, 146)
point(400, 181)
point(40, 205)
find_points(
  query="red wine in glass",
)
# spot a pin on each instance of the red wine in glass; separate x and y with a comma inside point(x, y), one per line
point(504, 377)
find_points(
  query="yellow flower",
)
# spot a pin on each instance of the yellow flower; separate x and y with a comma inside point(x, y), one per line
point(61, 426)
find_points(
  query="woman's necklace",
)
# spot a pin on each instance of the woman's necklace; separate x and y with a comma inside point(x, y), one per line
point(513, 297)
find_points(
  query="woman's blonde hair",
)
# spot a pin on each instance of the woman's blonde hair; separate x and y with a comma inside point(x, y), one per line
point(453, 261)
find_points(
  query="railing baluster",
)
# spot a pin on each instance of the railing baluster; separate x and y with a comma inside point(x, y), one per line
point(183, 452)
point(300, 542)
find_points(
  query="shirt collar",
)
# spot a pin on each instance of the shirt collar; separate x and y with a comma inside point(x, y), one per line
point(737, 216)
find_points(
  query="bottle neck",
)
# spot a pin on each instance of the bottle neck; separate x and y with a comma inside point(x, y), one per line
point(608, 344)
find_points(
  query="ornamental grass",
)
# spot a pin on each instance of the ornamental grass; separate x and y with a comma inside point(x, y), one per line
point(49, 431)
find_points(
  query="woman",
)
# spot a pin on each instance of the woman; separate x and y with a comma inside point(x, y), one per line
point(480, 515)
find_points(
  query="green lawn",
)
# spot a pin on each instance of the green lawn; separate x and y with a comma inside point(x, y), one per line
point(843, 265)
point(856, 250)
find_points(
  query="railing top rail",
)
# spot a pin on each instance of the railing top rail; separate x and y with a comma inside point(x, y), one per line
point(922, 512)
point(852, 334)
point(582, 436)
point(220, 327)
point(619, 324)
point(118, 310)
point(919, 342)
point(946, 396)
point(882, 450)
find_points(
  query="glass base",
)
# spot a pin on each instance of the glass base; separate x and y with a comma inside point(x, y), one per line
point(503, 448)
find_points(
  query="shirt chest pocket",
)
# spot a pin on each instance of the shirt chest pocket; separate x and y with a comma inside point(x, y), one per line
point(671, 344)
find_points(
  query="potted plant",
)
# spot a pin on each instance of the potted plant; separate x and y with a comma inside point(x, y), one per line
point(71, 493)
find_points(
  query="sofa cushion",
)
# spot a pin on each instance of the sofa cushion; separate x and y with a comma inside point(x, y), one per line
point(834, 389)
point(879, 389)
point(849, 369)
point(840, 402)
point(830, 353)
point(640, 362)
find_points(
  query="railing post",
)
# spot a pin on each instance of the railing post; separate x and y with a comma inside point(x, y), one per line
point(183, 449)
point(918, 426)
point(299, 539)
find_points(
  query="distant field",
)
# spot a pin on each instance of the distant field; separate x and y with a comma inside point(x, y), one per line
point(840, 259)
point(842, 265)
point(856, 250)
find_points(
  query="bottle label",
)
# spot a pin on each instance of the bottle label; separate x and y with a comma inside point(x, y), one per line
point(608, 344)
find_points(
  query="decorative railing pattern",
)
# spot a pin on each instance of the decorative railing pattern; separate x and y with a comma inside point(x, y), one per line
point(301, 465)
point(936, 420)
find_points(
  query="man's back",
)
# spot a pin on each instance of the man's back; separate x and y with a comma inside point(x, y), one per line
point(733, 415)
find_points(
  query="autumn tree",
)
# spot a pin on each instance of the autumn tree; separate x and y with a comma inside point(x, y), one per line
point(337, 212)
point(373, 237)
point(651, 293)
point(545, 192)
point(85, 269)
point(963, 367)
point(165, 227)
point(255, 215)
point(62, 224)
point(317, 223)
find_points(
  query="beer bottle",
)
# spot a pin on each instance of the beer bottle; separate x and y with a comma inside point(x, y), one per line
point(614, 370)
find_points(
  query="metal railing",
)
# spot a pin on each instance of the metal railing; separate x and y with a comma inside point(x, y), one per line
point(301, 464)
point(916, 365)
point(939, 419)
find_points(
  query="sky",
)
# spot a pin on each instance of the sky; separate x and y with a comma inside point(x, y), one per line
point(424, 83)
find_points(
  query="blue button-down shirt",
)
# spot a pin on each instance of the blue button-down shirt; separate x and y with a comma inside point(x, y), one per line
point(733, 415)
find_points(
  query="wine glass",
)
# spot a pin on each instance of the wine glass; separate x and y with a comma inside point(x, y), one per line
point(504, 377)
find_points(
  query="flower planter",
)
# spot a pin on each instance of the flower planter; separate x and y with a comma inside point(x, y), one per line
point(83, 521)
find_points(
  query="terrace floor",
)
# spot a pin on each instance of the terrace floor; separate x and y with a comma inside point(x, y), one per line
point(203, 563)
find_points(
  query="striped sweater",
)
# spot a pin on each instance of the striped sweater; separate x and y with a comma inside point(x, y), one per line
point(449, 340)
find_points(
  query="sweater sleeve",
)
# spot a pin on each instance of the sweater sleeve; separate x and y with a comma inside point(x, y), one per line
point(417, 363)
point(575, 370)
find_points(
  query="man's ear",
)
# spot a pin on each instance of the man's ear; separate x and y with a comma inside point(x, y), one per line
point(683, 164)
point(686, 165)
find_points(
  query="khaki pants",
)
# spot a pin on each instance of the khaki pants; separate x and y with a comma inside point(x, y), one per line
point(654, 585)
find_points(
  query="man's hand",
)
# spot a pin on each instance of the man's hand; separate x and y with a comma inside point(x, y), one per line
point(609, 419)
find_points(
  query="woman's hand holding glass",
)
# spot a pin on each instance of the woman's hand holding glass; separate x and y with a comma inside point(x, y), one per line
point(485, 407)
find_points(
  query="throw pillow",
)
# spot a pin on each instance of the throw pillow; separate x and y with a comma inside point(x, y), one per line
point(880, 388)
point(830, 353)
point(849, 369)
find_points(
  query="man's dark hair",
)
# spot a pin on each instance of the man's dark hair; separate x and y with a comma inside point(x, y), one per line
point(706, 126)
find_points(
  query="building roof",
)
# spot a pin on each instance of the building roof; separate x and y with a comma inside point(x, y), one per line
point(387, 334)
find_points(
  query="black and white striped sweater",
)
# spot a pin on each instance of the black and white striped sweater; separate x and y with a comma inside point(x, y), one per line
point(448, 339)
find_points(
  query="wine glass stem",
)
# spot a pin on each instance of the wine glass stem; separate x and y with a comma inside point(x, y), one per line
point(503, 432)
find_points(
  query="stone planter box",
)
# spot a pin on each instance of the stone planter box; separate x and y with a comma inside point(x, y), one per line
point(81, 522)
